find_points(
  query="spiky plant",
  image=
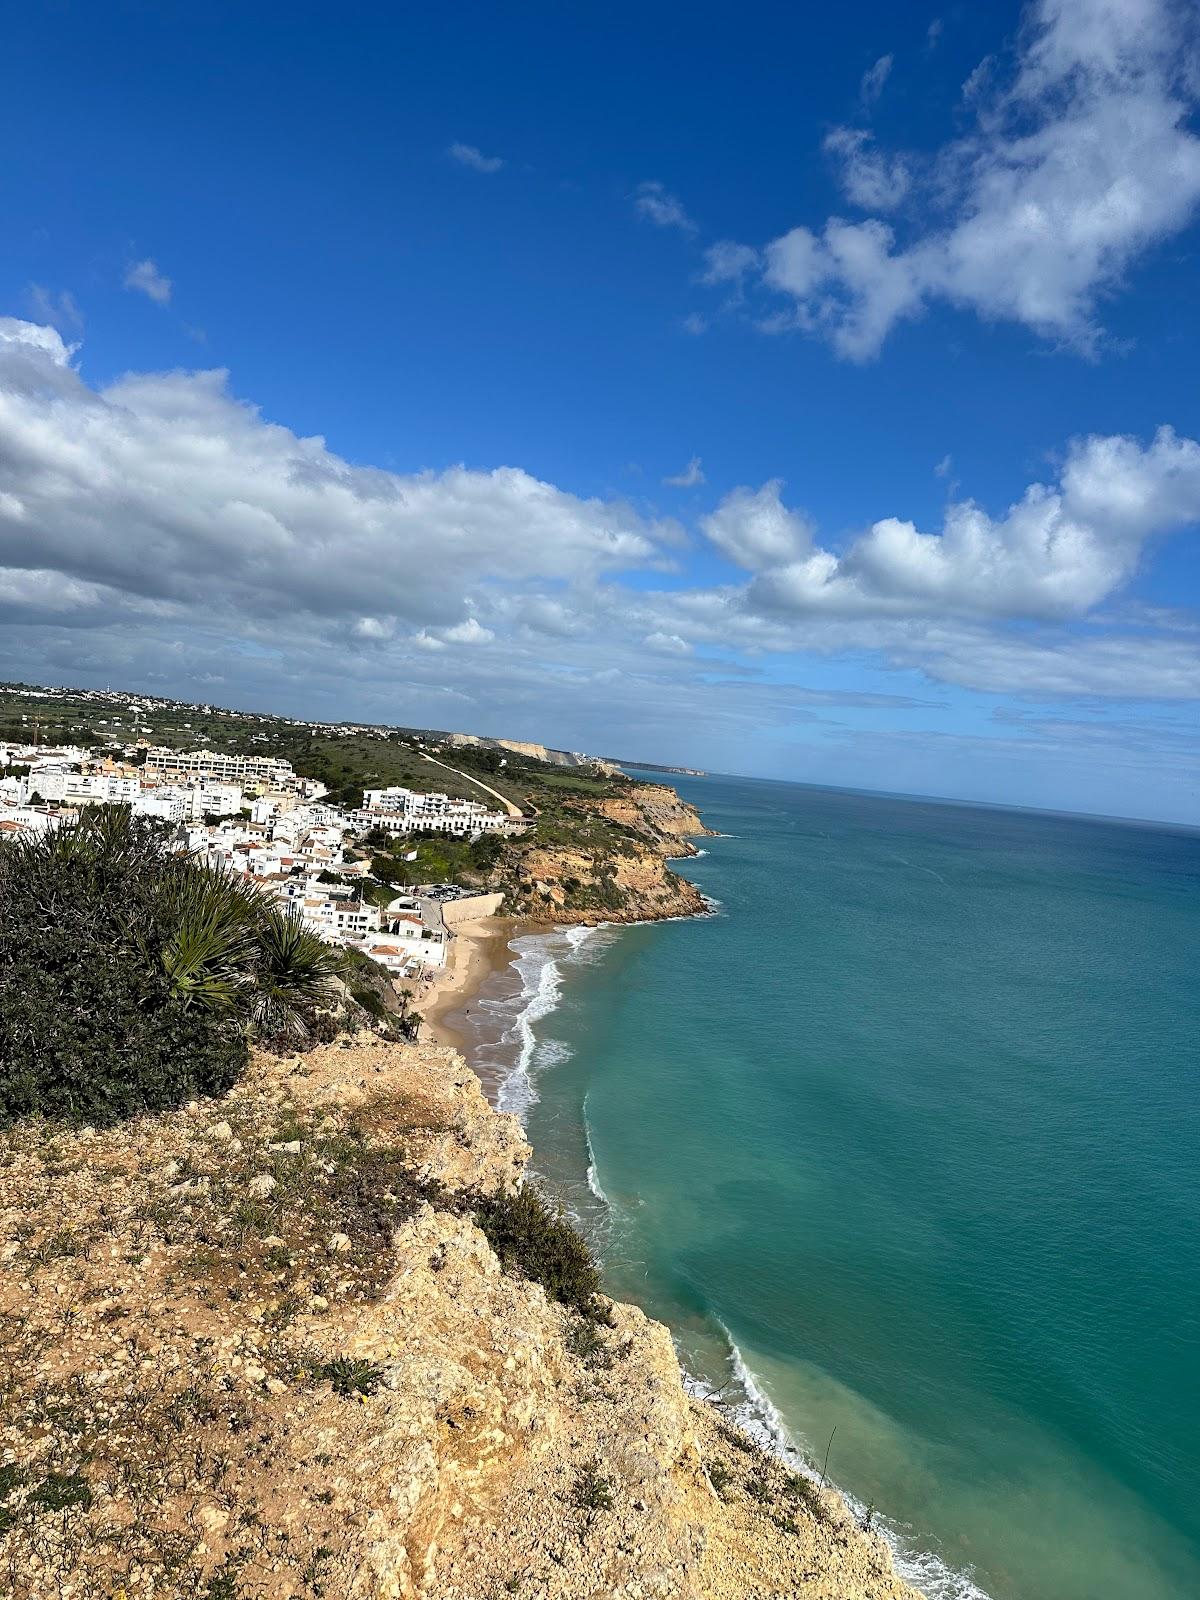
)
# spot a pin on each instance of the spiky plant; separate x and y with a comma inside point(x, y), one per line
point(294, 973)
point(131, 977)
point(211, 952)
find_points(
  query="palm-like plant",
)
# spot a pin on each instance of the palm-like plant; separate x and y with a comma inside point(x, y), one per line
point(294, 972)
point(210, 954)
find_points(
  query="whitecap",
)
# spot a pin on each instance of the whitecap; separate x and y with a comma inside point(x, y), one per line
point(758, 1415)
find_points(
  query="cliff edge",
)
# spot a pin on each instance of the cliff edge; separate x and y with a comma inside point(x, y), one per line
point(259, 1347)
point(611, 864)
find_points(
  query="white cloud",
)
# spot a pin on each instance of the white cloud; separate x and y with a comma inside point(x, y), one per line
point(164, 488)
point(1058, 552)
point(870, 179)
point(374, 628)
point(874, 79)
point(145, 277)
point(690, 478)
point(468, 632)
point(665, 210)
point(695, 324)
point(159, 530)
point(1079, 166)
point(468, 155)
point(667, 643)
point(1119, 667)
point(755, 529)
point(29, 340)
point(728, 262)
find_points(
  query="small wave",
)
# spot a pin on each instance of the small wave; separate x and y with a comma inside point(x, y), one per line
point(918, 866)
point(541, 987)
point(593, 1180)
point(758, 1415)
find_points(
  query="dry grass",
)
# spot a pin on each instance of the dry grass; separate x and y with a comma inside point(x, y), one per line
point(169, 1330)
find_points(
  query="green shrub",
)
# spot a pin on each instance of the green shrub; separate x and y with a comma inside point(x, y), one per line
point(592, 1491)
point(531, 1237)
point(132, 978)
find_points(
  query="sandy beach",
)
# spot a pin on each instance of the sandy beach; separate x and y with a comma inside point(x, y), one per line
point(477, 950)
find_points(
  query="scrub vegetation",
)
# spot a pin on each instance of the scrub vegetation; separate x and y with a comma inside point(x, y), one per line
point(132, 978)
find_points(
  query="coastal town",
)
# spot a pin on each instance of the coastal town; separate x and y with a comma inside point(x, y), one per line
point(257, 818)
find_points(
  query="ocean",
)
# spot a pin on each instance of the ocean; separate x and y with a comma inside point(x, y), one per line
point(902, 1142)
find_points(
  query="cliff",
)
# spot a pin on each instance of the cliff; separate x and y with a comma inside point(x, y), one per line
point(258, 1347)
point(610, 863)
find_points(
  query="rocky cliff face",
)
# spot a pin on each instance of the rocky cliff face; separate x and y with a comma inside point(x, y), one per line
point(259, 1348)
point(624, 876)
point(657, 811)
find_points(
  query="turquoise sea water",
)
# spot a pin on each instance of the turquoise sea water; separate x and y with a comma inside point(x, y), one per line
point(904, 1143)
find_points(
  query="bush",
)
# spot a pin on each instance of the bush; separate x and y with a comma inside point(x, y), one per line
point(531, 1237)
point(131, 978)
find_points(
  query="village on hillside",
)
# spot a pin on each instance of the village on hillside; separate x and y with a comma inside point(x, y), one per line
point(254, 815)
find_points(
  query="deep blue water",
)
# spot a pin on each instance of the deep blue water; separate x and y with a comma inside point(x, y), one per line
point(911, 1126)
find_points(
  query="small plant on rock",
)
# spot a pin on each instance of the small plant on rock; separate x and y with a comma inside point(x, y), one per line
point(349, 1376)
point(592, 1491)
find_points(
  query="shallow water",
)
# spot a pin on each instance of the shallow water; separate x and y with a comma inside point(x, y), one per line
point(903, 1145)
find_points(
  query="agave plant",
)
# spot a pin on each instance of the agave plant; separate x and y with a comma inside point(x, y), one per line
point(294, 973)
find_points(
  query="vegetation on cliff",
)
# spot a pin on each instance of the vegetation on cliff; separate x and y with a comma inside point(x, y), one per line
point(258, 1348)
point(132, 978)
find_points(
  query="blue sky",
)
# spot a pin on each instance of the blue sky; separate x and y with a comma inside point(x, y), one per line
point(345, 366)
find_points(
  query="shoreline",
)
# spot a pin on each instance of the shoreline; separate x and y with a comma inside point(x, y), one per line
point(491, 952)
point(477, 950)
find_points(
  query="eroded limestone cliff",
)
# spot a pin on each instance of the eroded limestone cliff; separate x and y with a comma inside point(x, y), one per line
point(617, 867)
point(259, 1348)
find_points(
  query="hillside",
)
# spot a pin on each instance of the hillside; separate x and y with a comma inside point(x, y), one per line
point(259, 1347)
point(598, 846)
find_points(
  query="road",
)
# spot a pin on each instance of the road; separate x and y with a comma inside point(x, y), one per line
point(512, 810)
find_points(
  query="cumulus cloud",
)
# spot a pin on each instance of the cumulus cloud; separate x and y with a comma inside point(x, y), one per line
point(755, 529)
point(166, 489)
point(469, 632)
point(1077, 164)
point(159, 530)
point(30, 341)
point(145, 278)
point(468, 155)
point(690, 478)
point(658, 206)
point(1058, 552)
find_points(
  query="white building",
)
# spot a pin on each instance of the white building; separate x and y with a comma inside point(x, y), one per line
point(399, 810)
point(223, 765)
point(84, 788)
point(339, 920)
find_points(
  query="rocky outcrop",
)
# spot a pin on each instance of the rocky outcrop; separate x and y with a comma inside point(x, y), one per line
point(258, 1347)
point(655, 810)
point(625, 876)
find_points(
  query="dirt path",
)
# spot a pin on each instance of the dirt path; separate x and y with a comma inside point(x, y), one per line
point(510, 808)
